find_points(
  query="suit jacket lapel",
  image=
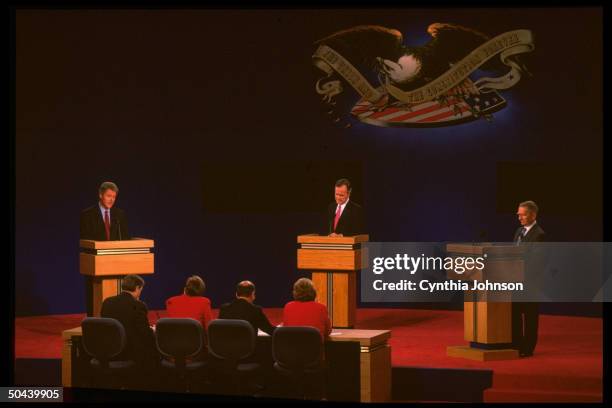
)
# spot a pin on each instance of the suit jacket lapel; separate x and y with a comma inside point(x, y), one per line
point(344, 215)
point(530, 233)
point(114, 223)
point(517, 233)
point(100, 220)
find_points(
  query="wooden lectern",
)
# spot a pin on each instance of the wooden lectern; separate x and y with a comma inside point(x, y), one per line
point(487, 323)
point(103, 263)
point(334, 262)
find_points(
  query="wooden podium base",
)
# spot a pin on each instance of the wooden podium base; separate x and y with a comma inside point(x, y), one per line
point(481, 354)
point(99, 289)
point(334, 262)
point(338, 292)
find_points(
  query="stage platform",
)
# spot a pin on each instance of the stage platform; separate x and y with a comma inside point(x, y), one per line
point(567, 365)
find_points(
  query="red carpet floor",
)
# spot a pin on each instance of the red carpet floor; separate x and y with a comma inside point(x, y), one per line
point(567, 365)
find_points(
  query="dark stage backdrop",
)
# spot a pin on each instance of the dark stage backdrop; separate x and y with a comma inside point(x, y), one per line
point(209, 123)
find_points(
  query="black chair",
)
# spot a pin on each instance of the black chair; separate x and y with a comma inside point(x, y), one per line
point(231, 342)
point(297, 353)
point(181, 341)
point(104, 339)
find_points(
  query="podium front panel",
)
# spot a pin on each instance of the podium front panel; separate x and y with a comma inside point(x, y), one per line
point(338, 292)
point(329, 259)
point(487, 322)
point(116, 265)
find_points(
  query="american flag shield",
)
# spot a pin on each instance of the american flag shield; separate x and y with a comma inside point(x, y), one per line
point(452, 109)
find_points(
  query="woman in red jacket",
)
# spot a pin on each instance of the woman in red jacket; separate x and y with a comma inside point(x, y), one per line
point(304, 310)
point(191, 304)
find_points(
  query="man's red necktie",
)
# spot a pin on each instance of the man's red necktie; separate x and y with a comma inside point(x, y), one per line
point(337, 218)
point(107, 225)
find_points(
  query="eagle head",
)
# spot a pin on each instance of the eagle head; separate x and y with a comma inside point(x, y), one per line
point(404, 70)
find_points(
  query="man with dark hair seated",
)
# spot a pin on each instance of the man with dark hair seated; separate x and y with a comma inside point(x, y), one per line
point(243, 308)
point(128, 309)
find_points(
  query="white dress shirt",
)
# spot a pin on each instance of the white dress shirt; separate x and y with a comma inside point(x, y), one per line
point(341, 207)
point(102, 210)
point(528, 227)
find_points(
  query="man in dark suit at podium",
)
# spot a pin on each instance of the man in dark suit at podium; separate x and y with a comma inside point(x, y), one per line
point(344, 216)
point(525, 315)
point(103, 222)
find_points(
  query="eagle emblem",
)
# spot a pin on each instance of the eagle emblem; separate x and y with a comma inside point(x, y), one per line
point(418, 86)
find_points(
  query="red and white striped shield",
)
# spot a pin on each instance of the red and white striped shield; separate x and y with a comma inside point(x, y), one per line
point(450, 110)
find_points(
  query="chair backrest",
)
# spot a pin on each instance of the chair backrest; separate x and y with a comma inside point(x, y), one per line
point(179, 338)
point(103, 337)
point(296, 347)
point(231, 339)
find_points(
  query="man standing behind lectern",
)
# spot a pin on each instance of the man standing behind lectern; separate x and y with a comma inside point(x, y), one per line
point(344, 216)
point(525, 315)
point(102, 222)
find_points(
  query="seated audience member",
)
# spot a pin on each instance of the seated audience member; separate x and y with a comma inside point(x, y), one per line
point(191, 303)
point(243, 308)
point(304, 310)
point(128, 309)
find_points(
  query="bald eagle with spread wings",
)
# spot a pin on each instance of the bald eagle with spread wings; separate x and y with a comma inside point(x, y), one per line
point(409, 67)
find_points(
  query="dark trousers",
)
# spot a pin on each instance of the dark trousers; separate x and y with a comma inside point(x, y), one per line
point(525, 316)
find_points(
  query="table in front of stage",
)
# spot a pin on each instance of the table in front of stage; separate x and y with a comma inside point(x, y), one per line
point(374, 360)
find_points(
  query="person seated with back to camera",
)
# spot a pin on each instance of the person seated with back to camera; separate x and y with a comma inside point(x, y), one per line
point(243, 308)
point(305, 311)
point(132, 313)
point(192, 304)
